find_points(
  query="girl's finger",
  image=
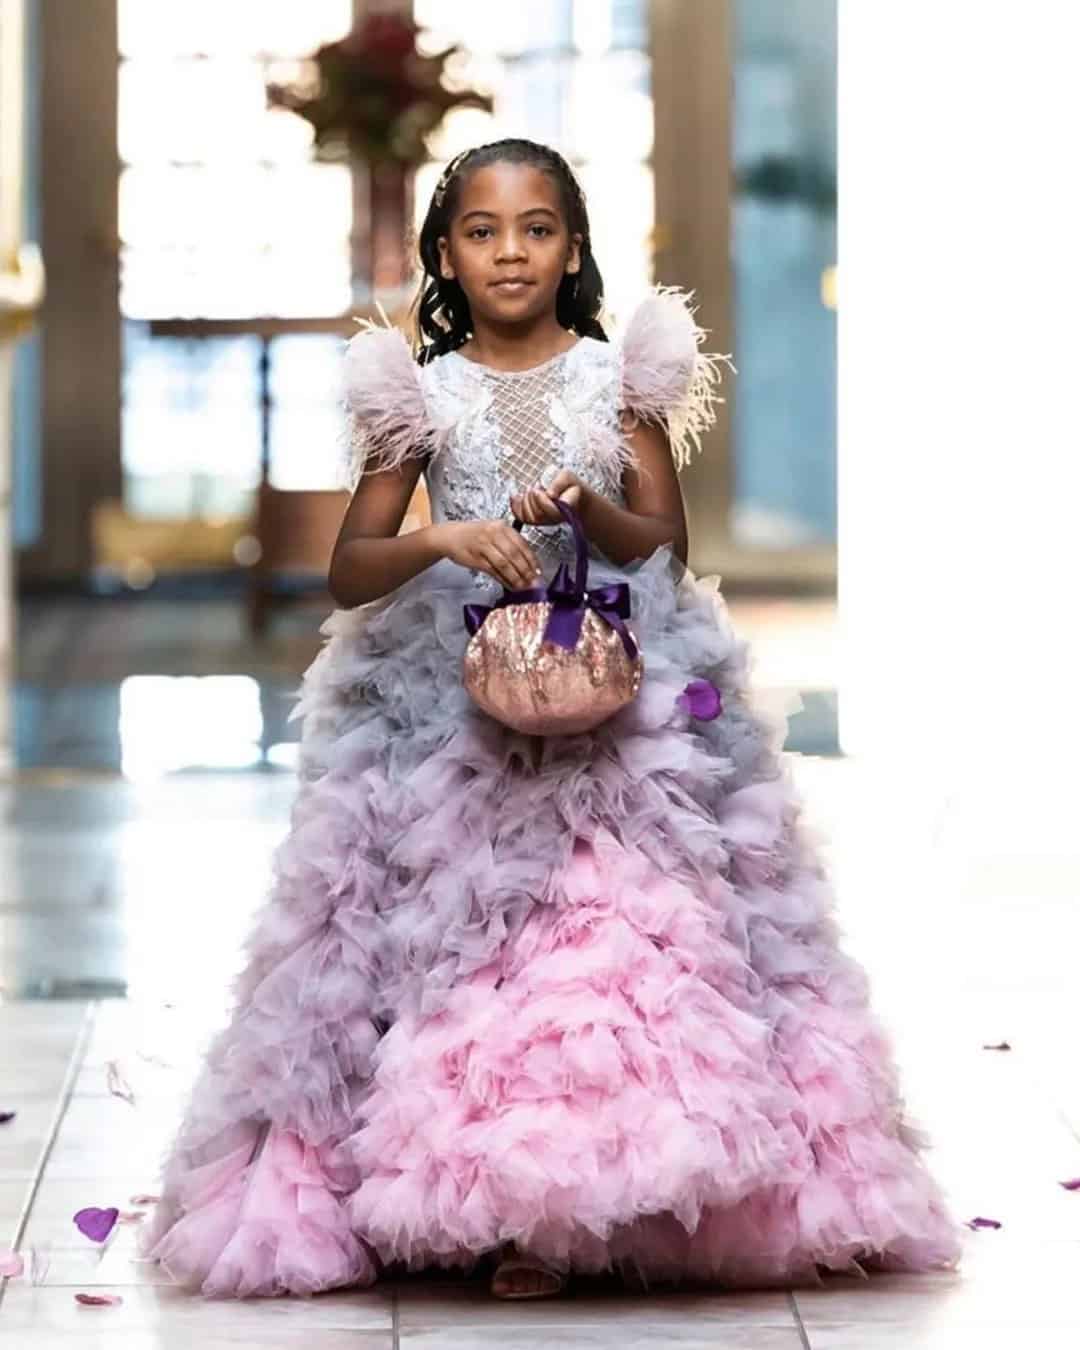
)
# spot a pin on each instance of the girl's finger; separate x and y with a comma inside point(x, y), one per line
point(507, 569)
point(547, 511)
point(528, 563)
point(503, 577)
point(524, 558)
point(522, 510)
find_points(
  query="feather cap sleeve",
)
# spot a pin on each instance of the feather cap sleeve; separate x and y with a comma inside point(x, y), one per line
point(386, 413)
point(666, 377)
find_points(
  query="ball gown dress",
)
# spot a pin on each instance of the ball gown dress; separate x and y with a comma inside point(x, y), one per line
point(585, 994)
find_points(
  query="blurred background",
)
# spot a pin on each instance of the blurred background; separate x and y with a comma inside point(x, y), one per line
point(198, 201)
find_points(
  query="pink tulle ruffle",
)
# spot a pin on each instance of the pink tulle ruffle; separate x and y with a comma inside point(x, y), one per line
point(598, 1101)
point(271, 1225)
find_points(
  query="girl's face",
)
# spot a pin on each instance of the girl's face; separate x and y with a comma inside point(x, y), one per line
point(508, 246)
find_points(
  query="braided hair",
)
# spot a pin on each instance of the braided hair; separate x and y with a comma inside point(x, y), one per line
point(443, 317)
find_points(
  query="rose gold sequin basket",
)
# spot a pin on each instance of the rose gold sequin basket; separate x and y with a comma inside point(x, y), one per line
point(557, 659)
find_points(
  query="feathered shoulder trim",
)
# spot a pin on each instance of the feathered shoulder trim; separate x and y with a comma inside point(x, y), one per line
point(386, 413)
point(666, 377)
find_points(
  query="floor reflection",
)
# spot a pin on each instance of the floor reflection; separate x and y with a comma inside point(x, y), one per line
point(141, 887)
point(150, 725)
point(170, 722)
point(145, 687)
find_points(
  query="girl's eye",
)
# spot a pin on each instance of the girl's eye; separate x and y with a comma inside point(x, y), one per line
point(485, 231)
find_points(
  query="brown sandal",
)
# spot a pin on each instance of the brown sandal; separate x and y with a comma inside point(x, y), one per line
point(510, 1265)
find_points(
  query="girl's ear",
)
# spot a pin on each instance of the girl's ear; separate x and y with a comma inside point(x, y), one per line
point(446, 267)
point(573, 262)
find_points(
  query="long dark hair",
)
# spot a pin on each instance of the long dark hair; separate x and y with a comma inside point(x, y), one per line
point(443, 318)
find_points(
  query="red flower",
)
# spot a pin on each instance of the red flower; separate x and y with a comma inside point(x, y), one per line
point(373, 94)
point(384, 35)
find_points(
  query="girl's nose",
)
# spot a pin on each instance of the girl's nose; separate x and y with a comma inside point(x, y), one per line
point(511, 247)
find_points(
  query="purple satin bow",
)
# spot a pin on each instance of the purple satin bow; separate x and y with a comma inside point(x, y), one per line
point(569, 598)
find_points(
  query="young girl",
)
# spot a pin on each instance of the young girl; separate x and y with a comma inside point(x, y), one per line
point(573, 1003)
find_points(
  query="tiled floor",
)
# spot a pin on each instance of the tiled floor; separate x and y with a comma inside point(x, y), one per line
point(136, 882)
point(127, 887)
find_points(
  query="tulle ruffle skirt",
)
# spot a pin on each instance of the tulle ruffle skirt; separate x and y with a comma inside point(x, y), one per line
point(586, 995)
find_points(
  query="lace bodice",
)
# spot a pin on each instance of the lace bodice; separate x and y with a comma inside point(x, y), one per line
point(511, 430)
point(484, 434)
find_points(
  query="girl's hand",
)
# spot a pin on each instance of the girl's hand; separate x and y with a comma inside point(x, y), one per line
point(493, 547)
point(536, 505)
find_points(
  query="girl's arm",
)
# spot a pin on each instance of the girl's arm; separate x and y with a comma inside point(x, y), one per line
point(371, 559)
point(654, 514)
point(391, 435)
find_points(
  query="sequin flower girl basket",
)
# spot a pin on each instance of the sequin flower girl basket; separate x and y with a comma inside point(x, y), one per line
point(555, 659)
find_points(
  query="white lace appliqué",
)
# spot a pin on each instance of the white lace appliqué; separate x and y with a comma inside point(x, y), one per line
point(515, 429)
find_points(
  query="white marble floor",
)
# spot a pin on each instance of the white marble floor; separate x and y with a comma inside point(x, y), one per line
point(968, 943)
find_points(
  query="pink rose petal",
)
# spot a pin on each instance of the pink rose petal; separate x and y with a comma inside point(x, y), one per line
point(983, 1223)
point(1073, 1185)
point(98, 1300)
point(96, 1224)
point(132, 1215)
point(11, 1264)
point(117, 1084)
point(144, 1199)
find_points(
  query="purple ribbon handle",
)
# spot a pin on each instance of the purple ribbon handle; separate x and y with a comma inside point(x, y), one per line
point(568, 596)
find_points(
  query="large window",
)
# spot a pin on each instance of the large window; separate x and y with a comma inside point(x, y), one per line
point(223, 214)
point(222, 211)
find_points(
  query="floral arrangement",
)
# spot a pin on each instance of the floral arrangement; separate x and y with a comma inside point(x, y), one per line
point(373, 95)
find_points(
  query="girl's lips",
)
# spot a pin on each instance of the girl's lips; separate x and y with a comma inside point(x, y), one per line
point(515, 285)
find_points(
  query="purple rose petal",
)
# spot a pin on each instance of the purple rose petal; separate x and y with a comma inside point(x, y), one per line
point(983, 1223)
point(96, 1224)
point(1073, 1185)
point(99, 1300)
point(5, 1116)
point(701, 699)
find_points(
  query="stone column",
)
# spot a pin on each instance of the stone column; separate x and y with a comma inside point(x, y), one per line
point(81, 336)
point(21, 291)
point(691, 80)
